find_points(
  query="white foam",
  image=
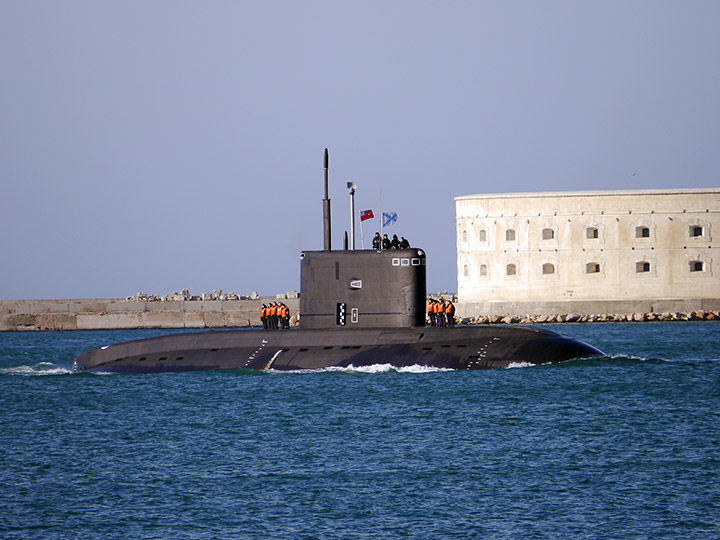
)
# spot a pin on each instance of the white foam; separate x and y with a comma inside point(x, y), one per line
point(43, 368)
point(513, 365)
point(371, 369)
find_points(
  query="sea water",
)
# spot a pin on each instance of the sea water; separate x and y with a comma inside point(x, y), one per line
point(624, 447)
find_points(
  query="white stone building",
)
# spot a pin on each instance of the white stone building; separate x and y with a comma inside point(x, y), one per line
point(597, 251)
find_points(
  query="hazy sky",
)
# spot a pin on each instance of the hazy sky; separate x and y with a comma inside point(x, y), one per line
point(161, 145)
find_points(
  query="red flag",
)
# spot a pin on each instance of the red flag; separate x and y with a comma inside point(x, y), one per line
point(366, 214)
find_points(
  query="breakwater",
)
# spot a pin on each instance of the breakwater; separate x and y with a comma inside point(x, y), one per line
point(28, 315)
point(111, 314)
point(578, 318)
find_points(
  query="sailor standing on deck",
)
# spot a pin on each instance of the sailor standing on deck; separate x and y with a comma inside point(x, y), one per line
point(286, 316)
point(376, 241)
point(450, 313)
point(431, 311)
point(263, 316)
point(273, 316)
point(440, 313)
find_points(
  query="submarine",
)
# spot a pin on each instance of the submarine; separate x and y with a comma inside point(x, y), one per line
point(357, 308)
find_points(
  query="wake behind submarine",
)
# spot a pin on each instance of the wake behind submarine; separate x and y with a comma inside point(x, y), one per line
point(357, 308)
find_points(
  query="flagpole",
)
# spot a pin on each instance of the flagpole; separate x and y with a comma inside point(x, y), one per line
point(381, 214)
point(362, 238)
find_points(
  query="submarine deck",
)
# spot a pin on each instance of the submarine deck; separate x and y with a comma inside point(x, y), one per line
point(452, 348)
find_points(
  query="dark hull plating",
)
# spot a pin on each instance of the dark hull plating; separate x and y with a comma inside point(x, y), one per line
point(484, 347)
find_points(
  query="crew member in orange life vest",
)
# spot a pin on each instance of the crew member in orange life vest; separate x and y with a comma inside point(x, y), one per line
point(431, 311)
point(450, 313)
point(263, 316)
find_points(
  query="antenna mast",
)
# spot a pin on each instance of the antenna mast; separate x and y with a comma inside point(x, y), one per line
point(326, 209)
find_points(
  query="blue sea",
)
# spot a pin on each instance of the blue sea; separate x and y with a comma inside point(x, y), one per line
point(626, 447)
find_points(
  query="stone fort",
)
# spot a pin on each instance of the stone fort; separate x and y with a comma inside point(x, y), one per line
point(588, 251)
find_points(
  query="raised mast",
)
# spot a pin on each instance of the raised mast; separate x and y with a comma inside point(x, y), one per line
point(326, 209)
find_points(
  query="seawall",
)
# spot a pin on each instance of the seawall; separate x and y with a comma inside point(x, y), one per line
point(108, 314)
point(29, 315)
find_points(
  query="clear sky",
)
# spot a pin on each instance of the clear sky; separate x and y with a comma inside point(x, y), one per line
point(160, 145)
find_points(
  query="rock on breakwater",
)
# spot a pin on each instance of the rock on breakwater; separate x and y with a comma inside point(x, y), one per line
point(700, 315)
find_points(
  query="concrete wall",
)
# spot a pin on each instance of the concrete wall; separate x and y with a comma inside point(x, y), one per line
point(607, 307)
point(114, 314)
point(553, 246)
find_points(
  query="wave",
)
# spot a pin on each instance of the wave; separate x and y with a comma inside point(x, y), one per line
point(614, 360)
point(41, 368)
point(371, 369)
point(514, 365)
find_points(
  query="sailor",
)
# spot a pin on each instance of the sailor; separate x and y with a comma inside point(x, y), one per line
point(450, 313)
point(395, 242)
point(385, 242)
point(263, 316)
point(376, 241)
point(431, 311)
point(273, 316)
point(404, 244)
point(439, 313)
point(278, 315)
point(286, 316)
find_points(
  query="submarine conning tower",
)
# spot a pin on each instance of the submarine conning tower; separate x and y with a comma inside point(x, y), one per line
point(360, 288)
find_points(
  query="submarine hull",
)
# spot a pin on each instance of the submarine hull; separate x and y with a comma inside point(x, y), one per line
point(486, 347)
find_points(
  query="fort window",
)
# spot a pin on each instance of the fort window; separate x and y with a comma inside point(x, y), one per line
point(642, 266)
point(697, 266)
point(482, 236)
point(642, 232)
point(592, 233)
point(592, 268)
point(511, 270)
point(548, 268)
point(465, 271)
point(483, 269)
point(464, 236)
point(696, 231)
point(548, 234)
point(510, 235)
